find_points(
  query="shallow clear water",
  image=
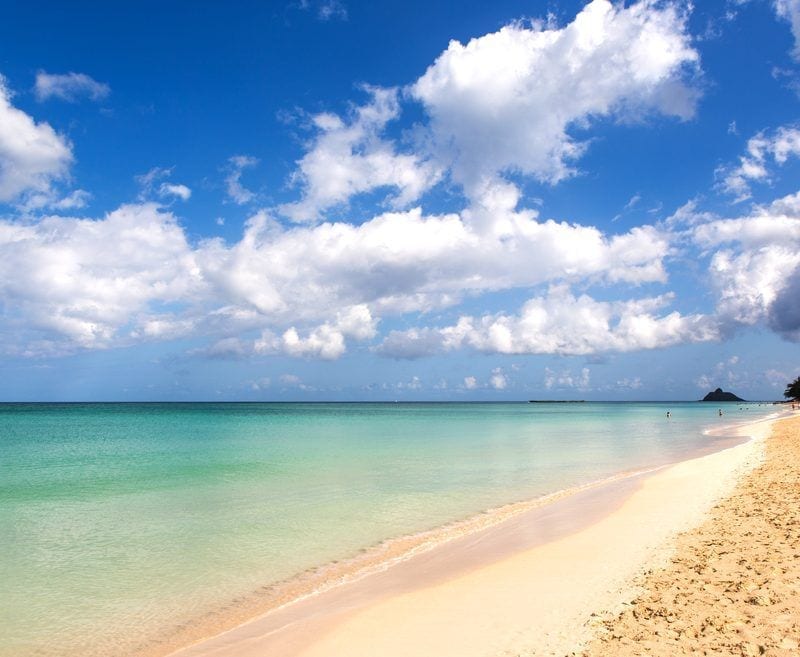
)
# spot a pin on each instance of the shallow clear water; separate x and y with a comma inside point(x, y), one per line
point(121, 521)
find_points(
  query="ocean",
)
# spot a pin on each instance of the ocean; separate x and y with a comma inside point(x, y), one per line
point(122, 525)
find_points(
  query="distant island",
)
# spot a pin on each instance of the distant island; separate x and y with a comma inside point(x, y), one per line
point(721, 396)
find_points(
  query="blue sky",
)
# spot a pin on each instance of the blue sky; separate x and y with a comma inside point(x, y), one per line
point(336, 200)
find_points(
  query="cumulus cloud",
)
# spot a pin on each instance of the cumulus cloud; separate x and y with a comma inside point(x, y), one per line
point(762, 150)
point(789, 10)
point(508, 103)
point(513, 100)
point(561, 323)
point(326, 341)
point(349, 157)
point(752, 263)
point(69, 283)
point(237, 192)
point(32, 155)
point(69, 86)
point(498, 380)
point(310, 289)
point(402, 262)
point(470, 382)
point(784, 313)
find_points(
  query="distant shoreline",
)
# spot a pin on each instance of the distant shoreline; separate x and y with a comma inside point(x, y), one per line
point(382, 401)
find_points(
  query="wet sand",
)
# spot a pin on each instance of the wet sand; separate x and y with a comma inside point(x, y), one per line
point(525, 586)
point(732, 586)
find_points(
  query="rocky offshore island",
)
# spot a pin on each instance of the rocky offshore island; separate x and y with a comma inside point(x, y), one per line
point(721, 396)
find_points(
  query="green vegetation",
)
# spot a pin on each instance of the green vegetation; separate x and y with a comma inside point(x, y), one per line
point(793, 389)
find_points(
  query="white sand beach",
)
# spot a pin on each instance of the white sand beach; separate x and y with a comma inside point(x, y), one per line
point(531, 585)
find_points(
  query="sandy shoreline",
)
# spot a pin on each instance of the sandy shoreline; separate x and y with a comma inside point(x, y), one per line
point(526, 582)
point(732, 585)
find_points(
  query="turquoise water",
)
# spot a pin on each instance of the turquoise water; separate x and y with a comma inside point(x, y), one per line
point(121, 522)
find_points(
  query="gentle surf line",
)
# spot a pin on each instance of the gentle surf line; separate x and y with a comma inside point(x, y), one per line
point(331, 618)
point(280, 596)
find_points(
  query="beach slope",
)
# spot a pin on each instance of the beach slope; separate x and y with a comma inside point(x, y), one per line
point(538, 598)
point(733, 584)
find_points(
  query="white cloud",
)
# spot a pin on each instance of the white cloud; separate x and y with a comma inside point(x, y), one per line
point(789, 10)
point(633, 202)
point(470, 382)
point(180, 191)
point(498, 380)
point(75, 200)
point(508, 101)
point(565, 379)
point(561, 323)
point(32, 155)
point(68, 283)
point(151, 189)
point(349, 158)
point(233, 185)
point(69, 86)
point(309, 290)
point(326, 341)
point(52, 200)
point(407, 262)
point(761, 151)
point(147, 181)
point(753, 264)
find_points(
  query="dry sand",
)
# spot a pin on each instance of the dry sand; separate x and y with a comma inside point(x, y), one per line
point(510, 590)
point(733, 584)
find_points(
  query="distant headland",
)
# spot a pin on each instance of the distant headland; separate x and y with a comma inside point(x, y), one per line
point(719, 395)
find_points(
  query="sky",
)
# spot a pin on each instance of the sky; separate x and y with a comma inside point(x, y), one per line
point(341, 200)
